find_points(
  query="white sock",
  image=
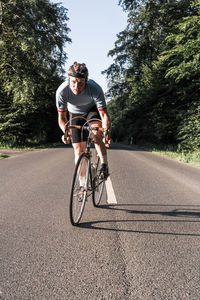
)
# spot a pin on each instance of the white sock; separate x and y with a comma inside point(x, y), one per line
point(82, 180)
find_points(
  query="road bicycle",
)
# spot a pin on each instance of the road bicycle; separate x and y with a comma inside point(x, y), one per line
point(87, 178)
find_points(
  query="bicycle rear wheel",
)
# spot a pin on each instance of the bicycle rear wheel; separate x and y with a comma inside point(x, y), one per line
point(98, 186)
point(79, 189)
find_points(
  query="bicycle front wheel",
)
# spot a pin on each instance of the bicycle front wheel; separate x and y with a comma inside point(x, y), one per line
point(98, 186)
point(79, 189)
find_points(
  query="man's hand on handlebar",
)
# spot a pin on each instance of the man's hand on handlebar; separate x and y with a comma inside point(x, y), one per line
point(67, 136)
point(106, 139)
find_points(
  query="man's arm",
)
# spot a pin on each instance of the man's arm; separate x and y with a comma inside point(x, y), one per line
point(62, 121)
point(106, 123)
point(105, 119)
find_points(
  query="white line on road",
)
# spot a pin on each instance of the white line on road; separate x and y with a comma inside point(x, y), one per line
point(111, 199)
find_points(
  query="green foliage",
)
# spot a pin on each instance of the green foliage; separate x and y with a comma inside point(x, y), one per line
point(33, 34)
point(189, 131)
point(188, 157)
point(184, 56)
point(156, 59)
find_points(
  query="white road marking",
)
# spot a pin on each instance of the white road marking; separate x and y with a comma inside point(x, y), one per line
point(111, 199)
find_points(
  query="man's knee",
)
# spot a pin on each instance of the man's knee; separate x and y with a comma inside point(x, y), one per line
point(97, 136)
point(77, 150)
point(97, 139)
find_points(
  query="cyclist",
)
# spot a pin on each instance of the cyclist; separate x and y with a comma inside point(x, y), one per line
point(83, 97)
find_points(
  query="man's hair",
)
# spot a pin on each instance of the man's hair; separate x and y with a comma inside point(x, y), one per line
point(78, 70)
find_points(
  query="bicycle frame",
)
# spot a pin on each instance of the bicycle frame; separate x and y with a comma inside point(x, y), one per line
point(89, 141)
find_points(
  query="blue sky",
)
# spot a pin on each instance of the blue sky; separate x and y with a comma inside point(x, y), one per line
point(94, 25)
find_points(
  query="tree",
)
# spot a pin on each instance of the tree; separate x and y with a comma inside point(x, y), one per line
point(153, 102)
point(33, 34)
point(183, 66)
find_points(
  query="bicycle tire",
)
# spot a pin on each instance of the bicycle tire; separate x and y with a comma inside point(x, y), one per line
point(98, 186)
point(79, 189)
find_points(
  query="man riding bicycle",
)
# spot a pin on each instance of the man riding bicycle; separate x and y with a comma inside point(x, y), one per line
point(83, 97)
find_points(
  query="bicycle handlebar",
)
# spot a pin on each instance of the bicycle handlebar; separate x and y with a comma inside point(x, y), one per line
point(89, 128)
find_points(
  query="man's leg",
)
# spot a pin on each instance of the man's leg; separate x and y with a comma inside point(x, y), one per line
point(101, 149)
point(78, 149)
point(77, 143)
point(98, 140)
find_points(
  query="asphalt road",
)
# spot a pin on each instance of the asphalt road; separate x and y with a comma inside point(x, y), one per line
point(144, 247)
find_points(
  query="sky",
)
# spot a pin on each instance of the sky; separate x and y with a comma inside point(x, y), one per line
point(94, 26)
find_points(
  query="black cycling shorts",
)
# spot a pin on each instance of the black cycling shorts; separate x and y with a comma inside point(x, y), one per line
point(93, 113)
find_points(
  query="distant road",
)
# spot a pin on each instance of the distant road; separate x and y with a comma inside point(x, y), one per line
point(146, 246)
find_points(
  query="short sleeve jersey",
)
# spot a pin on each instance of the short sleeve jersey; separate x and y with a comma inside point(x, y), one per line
point(81, 103)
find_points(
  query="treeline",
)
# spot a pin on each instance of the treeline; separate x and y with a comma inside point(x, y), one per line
point(154, 82)
point(32, 38)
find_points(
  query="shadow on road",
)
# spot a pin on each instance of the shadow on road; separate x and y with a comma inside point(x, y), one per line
point(180, 211)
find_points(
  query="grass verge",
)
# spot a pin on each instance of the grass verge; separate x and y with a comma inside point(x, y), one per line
point(187, 157)
point(29, 147)
point(26, 148)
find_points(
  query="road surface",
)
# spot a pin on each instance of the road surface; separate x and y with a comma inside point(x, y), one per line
point(143, 243)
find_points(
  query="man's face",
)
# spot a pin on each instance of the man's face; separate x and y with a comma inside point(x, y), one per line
point(77, 85)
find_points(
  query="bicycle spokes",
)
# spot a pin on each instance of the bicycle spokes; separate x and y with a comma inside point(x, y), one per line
point(79, 189)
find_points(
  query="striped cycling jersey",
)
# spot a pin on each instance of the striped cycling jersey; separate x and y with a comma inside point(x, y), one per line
point(81, 103)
